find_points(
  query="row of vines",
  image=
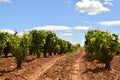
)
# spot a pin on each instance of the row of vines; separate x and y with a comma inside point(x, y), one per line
point(102, 46)
point(35, 42)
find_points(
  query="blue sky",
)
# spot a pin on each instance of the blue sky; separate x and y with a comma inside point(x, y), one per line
point(70, 19)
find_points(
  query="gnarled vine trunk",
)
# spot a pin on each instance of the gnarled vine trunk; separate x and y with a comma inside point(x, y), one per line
point(108, 63)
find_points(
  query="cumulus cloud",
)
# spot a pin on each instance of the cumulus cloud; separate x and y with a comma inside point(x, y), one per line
point(5, 1)
point(91, 7)
point(81, 28)
point(67, 34)
point(51, 27)
point(110, 23)
point(107, 2)
point(7, 30)
point(62, 28)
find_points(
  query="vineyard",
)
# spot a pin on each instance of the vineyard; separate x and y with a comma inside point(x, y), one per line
point(42, 55)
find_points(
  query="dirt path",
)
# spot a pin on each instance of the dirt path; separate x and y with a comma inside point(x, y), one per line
point(42, 69)
point(76, 68)
point(79, 67)
point(70, 67)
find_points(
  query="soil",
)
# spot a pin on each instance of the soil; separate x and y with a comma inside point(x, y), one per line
point(59, 67)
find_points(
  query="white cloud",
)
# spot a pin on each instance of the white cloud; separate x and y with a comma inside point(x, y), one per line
point(62, 28)
point(107, 2)
point(91, 7)
point(110, 23)
point(5, 1)
point(51, 27)
point(69, 31)
point(7, 30)
point(67, 34)
point(81, 28)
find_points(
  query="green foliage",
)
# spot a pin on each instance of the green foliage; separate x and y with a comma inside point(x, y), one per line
point(57, 49)
point(101, 45)
point(48, 42)
point(5, 43)
point(20, 47)
point(38, 40)
point(63, 46)
point(2, 41)
point(118, 46)
point(77, 46)
point(51, 41)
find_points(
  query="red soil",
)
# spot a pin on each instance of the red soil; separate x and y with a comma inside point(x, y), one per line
point(67, 67)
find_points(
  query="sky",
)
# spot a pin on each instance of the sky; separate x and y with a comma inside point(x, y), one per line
point(69, 19)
